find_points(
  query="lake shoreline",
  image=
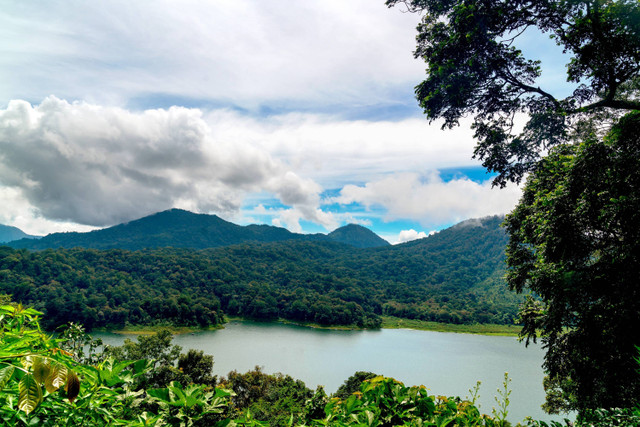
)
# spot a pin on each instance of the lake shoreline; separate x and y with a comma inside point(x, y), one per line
point(388, 322)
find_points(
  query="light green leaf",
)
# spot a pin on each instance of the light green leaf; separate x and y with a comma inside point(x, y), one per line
point(30, 394)
point(57, 377)
point(41, 369)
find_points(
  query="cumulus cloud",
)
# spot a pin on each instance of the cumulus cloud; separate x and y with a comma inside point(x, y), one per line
point(430, 200)
point(332, 151)
point(409, 235)
point(100, 166)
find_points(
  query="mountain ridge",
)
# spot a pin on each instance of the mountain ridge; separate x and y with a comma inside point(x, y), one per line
point(9, 233)
point(183, 229)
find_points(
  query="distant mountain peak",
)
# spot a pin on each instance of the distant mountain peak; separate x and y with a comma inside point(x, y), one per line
point(9, 233)
point(184, 229)
point(358, 236)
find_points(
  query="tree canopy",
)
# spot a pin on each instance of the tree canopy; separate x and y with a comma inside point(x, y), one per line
point(474, 67)
point(574, 236)
point(575, 241)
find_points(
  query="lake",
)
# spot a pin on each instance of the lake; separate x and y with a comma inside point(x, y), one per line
point(446, 363)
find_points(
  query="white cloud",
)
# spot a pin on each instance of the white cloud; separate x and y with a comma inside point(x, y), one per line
point(333, 151)
point(99, 166)
point(243, 52)
point(17, 211)
point(95, 165)
point(430, 200)
point(409, 235)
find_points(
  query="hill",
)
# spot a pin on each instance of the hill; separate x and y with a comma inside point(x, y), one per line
point(8, 233)
point(357, 236)
point(453, 276)
point(182, 229)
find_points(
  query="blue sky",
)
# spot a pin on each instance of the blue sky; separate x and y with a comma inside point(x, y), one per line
point(296, 114)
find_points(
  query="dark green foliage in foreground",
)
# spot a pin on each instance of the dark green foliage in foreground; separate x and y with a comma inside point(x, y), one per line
point(353, 383)
point(575, 241)
point(453, 276)
point(273, 398)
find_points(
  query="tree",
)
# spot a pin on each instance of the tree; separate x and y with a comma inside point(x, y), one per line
point(474, 68)
point(575, 241)
point(574, 235)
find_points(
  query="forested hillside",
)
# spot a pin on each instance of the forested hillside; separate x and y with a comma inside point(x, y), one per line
point(453, 276)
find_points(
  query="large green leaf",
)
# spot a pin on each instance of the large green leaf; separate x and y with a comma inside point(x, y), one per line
point(30, 394)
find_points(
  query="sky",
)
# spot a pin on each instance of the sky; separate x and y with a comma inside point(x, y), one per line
point(294, 114)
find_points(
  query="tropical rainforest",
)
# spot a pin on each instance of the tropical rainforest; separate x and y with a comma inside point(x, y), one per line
point(454, 276)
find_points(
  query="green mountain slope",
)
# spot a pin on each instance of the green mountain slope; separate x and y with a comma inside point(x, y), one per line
point(357, 236)
point(453, 276)
point(182, 229)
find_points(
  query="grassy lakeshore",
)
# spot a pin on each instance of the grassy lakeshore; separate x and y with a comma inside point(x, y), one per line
point(150, 330)
point(388, 322)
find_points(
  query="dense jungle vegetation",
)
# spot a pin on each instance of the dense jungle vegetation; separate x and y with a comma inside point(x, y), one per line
point(71, 380)
point(454, 276)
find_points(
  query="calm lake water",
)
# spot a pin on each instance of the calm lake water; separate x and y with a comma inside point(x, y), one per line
point(446, 363)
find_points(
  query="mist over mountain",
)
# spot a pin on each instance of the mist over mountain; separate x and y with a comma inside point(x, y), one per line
point(9, 233)
point(182, 229)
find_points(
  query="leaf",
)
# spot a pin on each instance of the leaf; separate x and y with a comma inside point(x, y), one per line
point(30, 394)
point(161, 394)
point(41, 369)
point(5, 375)
point(57, 377)
point(72, 387)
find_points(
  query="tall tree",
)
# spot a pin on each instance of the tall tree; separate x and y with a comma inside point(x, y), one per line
point(574, 235)
point(475, 68)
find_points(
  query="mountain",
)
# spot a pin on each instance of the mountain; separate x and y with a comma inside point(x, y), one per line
point(357, 236)
point(453, 276)
point(8, 233)
point(182, 229)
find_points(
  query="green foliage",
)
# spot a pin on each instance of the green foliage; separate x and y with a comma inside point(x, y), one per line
point(574, 235)
point(575, 242)
point(503, 401)
point(353, 384)
point(166, 361)
point(196, 367)
point(474, 66)
point(277, 399)
point(387, 402)
point(453, 276)
point(43, 384)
